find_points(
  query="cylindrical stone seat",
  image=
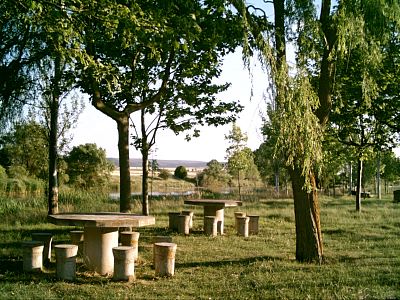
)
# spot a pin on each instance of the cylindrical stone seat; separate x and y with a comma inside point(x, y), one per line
point(76, 237)
point(253, 224)
point(173, 220)
point(131, 239)
point(124, 263)
point(46, 238)
point(243, 226)
point(210, 225)
point(191, 215)
point(183, 224)
point(164, 259)
point(160, 239)
point(66, 261)
point(238, 214)
point(32, 256)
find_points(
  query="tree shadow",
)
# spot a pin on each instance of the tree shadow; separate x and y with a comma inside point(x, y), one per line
point(221, 263)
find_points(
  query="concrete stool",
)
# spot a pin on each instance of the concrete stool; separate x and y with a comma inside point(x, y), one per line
point(124, 263)
point(253, 224)
point(238, 214)
point(33, 256)
point(190, 214)
point(66, 261)
point(160, 239)
point(131, 239)
point(164, 259)
point(243, 226)
point(76, 237)
point(173, 220)
point(183, 224)
point(210, 225)
point(46, 238)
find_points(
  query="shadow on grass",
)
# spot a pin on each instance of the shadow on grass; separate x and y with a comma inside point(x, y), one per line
point(276, 203)
point(221, 263)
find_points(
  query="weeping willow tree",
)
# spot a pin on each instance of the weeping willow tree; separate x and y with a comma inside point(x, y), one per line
point(302, 84)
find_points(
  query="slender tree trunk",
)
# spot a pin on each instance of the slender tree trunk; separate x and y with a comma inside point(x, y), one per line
point(238, 179)
point(145, 182)
point(359, 180)
point(145, 165)
point(124, 165)
point(350, 178)
point(378, 176)
point(53, 153)
point(309, 246)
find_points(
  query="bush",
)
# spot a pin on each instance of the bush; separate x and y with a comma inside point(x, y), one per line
point(180, 172)
point(164, 174)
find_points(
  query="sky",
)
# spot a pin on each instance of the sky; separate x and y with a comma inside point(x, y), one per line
point(94, 127)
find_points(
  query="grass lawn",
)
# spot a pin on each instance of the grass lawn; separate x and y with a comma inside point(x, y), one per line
point(362, 255)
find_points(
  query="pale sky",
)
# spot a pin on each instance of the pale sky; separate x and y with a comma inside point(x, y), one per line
point(94, 127)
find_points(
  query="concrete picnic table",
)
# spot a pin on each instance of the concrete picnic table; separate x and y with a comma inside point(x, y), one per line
point(100, 234)
point(215, 207)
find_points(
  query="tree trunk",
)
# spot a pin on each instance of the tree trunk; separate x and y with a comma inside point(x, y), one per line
point(378, 176)
point(350, 178)
point(309, 246)
point(53, 152)
point(145, 182)
point(124, 165)
point(359, 180)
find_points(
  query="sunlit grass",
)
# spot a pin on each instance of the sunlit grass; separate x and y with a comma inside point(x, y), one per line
point(362, 254)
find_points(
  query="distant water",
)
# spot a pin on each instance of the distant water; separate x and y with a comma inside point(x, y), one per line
point(115, 196)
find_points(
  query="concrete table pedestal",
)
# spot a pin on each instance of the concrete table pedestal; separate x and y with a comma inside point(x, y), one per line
point(66, 261)
point(124, 263)
point(97, 248)
point(164, 259)
point(32, 256)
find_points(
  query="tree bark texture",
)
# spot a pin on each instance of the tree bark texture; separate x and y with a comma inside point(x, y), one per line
point(124, 166)
point(53, 152)
point(309, 247)
point(359, 181)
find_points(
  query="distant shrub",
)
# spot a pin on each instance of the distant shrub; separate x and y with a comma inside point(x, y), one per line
point(164, 174)
point(16, 171)
point(3, 173)
point(180, 172)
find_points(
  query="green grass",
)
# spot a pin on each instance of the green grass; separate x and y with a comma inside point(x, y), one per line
point(362, 255)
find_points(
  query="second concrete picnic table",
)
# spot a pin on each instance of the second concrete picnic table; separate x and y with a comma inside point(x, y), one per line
point(215, 207)
point(100, 234)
